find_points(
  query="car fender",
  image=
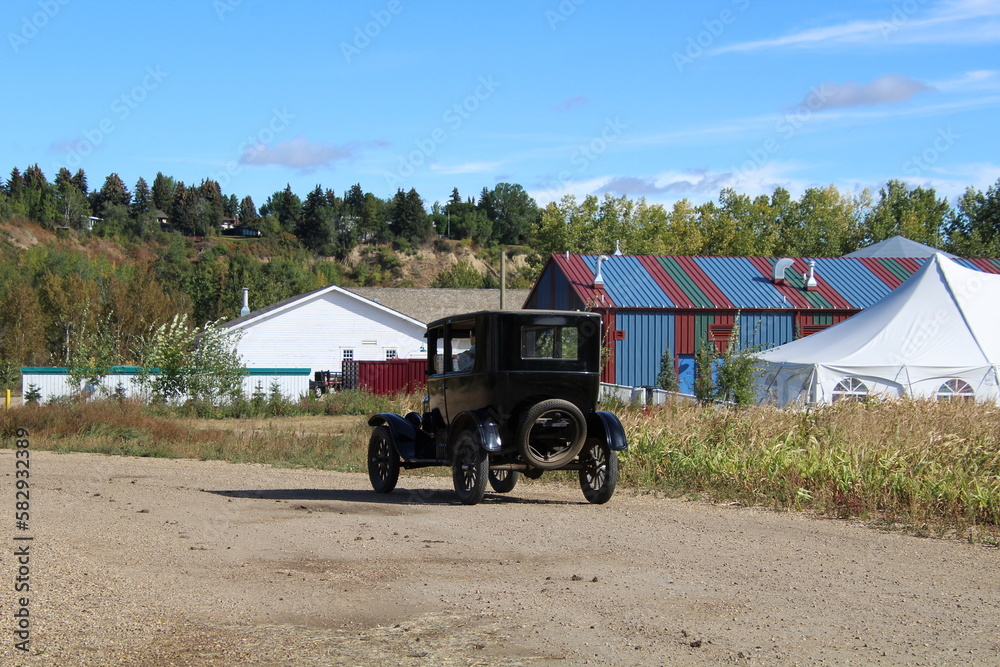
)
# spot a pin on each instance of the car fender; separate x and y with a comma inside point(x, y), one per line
point(485, 425)
point(404, 433)
point(606, 425)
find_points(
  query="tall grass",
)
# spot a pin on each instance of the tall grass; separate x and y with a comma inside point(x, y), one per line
point(925, 467)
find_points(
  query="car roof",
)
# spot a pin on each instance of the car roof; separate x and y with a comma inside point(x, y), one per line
point(513, 314)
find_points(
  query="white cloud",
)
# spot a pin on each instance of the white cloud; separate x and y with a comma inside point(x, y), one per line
point(466, 168)
point(300, 153)
point(699, 185)
point(978, 80)
point(961, 22)
point(887, 89)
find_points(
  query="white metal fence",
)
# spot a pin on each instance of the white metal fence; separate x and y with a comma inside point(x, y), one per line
point(54, 383)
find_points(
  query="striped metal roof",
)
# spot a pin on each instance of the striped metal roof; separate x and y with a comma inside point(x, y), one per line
point(843, 283)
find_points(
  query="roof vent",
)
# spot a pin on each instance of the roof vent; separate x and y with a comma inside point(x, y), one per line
point(598, 278)
point(810, 278)
point(782, 265)
point(618, 248)
point(245, 310)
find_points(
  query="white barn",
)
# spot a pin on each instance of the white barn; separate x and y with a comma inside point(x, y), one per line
point(321, 329)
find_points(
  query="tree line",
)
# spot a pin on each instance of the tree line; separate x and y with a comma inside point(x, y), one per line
point(110, 273)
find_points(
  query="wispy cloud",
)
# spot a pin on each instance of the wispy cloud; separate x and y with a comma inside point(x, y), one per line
point(978, 80)
point(948, 22)
point(466, 168)
point(304, 155)
point(570, 104)
point(888, 89)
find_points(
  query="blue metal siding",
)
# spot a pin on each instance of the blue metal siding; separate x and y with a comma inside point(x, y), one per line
point(637, 358)
point(763, 330)
point(629, 284)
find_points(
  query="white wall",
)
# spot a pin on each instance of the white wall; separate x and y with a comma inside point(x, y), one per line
point(55, 383)
point(313, 332)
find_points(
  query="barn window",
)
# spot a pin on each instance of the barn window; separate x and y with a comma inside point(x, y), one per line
point(955, 390)
point(390, 354)
point(850, 389)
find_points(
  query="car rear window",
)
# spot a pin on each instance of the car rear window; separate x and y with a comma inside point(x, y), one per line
point(550, 342)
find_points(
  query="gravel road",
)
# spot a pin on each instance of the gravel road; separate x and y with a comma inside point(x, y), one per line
point(178, 562)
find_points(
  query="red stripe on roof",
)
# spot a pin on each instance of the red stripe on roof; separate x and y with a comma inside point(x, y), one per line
point(703, 282)
point(666, 283)
point(909, 264)
point(796, 298)
point(882, 273)
point(986, 265)
point(581, 281)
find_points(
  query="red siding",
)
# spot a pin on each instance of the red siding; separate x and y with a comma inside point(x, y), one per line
point(390, 377)
point(684, 332)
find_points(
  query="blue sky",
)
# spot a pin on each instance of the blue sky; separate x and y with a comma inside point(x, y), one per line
point(663, 100)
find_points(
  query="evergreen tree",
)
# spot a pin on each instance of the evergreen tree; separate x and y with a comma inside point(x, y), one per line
point(15, 185)
point(38, 197)
point(248, 213)
point(113, 192)
point(80, 181)
point(704, 383)
point(667, 378)
point(142, 198)
point(164, 190)
point(315, 228)
point(409, 217)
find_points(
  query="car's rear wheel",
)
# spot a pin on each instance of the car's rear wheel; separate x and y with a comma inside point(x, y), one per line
point(383, 461)
point(599, 474)
point(504, 481)
point(470, 468)
point(551, 434)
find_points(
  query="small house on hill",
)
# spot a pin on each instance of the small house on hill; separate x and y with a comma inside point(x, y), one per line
point(651, 304)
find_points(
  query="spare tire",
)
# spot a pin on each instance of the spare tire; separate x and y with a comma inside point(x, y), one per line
point(552, 433)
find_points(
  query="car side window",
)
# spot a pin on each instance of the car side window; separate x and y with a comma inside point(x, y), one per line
point(462, 347)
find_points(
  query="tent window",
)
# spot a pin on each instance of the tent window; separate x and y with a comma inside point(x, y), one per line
point(850, 389)
point(955, 390)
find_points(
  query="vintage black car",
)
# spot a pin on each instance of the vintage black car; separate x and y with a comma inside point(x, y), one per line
point(508, 393)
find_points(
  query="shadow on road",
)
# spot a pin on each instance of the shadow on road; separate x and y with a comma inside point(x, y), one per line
point(398, 497)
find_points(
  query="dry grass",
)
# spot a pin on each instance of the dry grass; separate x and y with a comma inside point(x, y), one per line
point(929, 468)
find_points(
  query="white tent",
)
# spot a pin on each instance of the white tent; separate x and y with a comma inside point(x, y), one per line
point(935, 336)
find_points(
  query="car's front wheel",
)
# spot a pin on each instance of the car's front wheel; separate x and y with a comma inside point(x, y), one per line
point(383, 461)
point(504, 481)
point(470, 468)
point(599, 474)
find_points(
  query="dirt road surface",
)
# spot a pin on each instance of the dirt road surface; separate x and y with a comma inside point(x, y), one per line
point(177, 562)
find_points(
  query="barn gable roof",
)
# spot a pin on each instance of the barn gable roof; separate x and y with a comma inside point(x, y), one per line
point(296, 301)
point(725, 283)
